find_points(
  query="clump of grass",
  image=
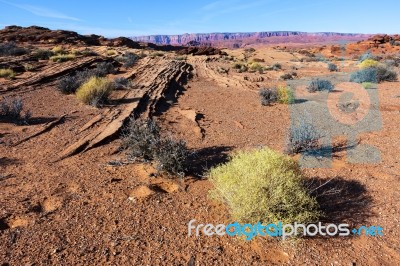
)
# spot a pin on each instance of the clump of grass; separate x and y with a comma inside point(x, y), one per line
point(368, 63)
point(11, 110)
point(332, 67)
point(42, 54)
point(263, 186)
point(71, 83)
point(58, 50)
point(156, 53)
point(11, 49)
point(285, 95)
point(111, 52)
point(7, 73)
point(180, 58)
point(95, 91)
point(256, 67)
point(142, 139)
point(62, 57)
point(320, 85)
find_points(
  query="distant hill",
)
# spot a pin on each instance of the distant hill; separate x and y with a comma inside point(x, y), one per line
point(240, 38)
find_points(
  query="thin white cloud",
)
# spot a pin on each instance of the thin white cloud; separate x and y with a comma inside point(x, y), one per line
point(42, 11)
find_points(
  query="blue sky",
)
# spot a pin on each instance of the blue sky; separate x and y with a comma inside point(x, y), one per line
point(131, 18)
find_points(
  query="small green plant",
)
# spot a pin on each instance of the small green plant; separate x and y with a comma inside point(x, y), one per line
point(320, 85)
point(332, 67)
point(263, 186)
point(285, 95)
point(62, 57)
point(95, 91)
point(7, 73)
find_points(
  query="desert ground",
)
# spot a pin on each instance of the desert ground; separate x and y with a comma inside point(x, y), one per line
point(70, 196)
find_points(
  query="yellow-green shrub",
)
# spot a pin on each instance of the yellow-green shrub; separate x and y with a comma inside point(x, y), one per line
point(368, 85)
point(95, 91)
point(58, 50)
point(256, 66)
point(111, 52)
point(285, 95)
point(368, 63)
point(263, 185)
point(62, 57)
point(7, 73)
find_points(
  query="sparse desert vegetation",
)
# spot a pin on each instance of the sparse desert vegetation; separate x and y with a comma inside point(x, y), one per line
point(215, 134)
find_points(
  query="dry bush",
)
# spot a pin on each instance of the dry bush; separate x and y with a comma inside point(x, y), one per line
point(263, 186)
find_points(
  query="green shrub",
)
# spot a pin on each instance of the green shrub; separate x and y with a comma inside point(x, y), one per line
point(62, 57)
point(285, 95)
point(368, 63)
point(256, 67)
point(320, 85)
point(58, 50)
point(95, 91)
point(263, 186)
point(7, 73)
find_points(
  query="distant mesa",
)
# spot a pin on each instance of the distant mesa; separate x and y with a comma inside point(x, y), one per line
point(237, 39)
